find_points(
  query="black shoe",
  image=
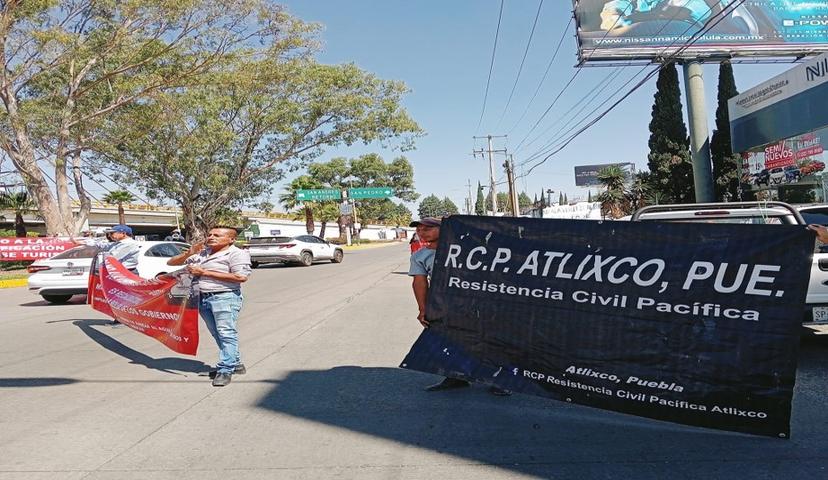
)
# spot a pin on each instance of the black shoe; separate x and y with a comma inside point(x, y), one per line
point(240, 370)
point(500, 392)
point(222, 380)
point(447, 384)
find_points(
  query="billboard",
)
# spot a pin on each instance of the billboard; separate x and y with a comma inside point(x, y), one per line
point(587, 175)
point(648, 29)
point(786, 105)
point(787, 161)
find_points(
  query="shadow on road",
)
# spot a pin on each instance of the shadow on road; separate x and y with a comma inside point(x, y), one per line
point(35, 382)
point(171, 365)
point(75, 300)
point(522, 433)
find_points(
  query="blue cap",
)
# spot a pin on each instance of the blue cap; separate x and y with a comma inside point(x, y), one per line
point(120, 228)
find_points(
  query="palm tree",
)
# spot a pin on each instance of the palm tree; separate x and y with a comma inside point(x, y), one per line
point(326, 212)
point(288, 199)
point(19, 203)
point(614, 199)
point(119, 197)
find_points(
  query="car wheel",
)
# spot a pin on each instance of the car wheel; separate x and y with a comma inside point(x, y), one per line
point(306, 259)
point(58, 299)
point(337, 256)
point(254, 264)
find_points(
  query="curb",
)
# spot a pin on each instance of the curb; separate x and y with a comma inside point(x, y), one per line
point(18, 282)
point(368, 245)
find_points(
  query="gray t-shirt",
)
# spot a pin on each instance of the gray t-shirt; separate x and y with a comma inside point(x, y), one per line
point(230, 260)
point(125, 251)
point(422, 262)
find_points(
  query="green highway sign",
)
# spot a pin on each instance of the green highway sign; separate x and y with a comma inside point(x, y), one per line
point(370, 192)
point(318, 194)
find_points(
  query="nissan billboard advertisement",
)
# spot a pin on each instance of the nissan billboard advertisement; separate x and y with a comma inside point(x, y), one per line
point(648, 29)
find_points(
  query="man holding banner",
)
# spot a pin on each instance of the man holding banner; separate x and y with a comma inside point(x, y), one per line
point(218, 272)
point(422, 265)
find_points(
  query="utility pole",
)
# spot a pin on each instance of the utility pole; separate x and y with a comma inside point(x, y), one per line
point(469, 204)
point(699, 142)
point(491, 152)
point(509, 165)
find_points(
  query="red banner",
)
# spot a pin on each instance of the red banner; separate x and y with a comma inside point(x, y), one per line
point(161, 308)
point(13, 249)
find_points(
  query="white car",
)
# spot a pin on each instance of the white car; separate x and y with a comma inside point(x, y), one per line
point(301, 250)
point(778, 213)
point(777, 175)
point(58, 278)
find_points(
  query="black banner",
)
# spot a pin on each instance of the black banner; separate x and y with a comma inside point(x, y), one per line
point(691, 323)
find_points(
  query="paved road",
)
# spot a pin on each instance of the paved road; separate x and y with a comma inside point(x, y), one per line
point(323, 399)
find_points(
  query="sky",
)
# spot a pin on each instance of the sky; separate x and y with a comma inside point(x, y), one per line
point(442, 50)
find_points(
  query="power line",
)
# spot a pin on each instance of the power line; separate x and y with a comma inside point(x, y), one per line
point(709, 24)
point(543, 79)
point(522, 61)
point(687, 44)
point(491, 66)
point(592, 95)
point(577, 72)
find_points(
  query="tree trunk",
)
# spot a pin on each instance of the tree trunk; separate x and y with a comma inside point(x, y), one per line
point(309, 226)
point(322, 230)
point(121, 215)
point(85, 202)
point(19, 225)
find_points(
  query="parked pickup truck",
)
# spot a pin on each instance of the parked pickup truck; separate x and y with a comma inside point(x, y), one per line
point(777, 213)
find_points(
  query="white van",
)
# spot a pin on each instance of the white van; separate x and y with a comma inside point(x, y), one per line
point(774, 213)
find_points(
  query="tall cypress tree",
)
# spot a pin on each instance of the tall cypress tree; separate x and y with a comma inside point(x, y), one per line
point(480, 204)
point(725, 163)
point(671, 170)
point(560, 199)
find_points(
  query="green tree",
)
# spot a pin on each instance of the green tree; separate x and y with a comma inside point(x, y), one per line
point(502, 202)
point(20, 203)
point(431, 206)
point(671, 171)
point(226, 143)
point(480, 204)
point(566, 200)
point(614, 199)
point(119, 198)
point(325, 212)
point(69, 66)
point(561, 199)
point(371, 171)
point(524, 201)
point(449, 208)
point(289, 200)
point(589, 196)
point(725, 163)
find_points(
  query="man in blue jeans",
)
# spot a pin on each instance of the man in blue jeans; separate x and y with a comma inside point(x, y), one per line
point(218, 272)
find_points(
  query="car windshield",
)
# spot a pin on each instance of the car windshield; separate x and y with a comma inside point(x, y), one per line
point(261, 240)
point(817, 216)
point(77, 252)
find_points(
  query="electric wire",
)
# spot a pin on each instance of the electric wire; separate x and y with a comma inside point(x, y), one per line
point(543, 79)
point(522, 61)
point(709, 24)
point(578, 71)
point(491, 66)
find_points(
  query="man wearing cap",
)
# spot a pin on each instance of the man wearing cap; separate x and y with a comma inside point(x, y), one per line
point(422, 264)
point(124, 248)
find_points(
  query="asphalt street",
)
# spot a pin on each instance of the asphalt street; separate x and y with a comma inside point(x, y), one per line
point(323, 398)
